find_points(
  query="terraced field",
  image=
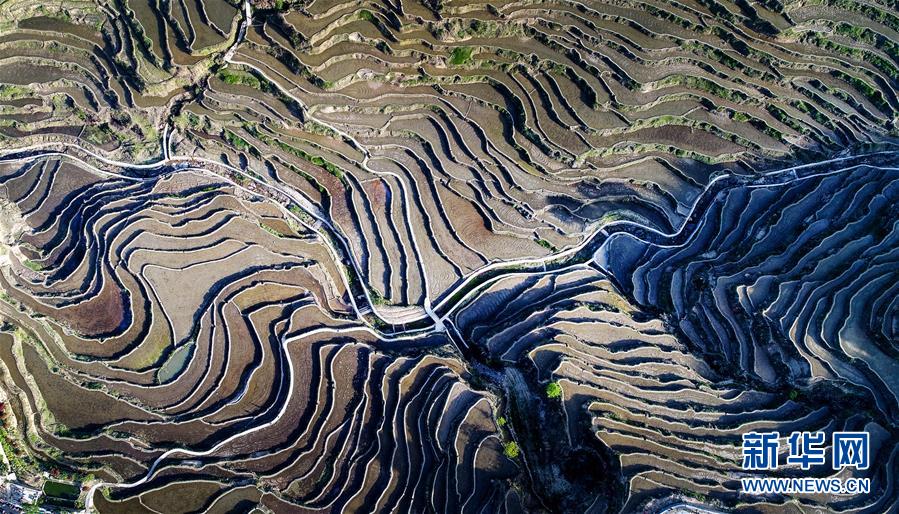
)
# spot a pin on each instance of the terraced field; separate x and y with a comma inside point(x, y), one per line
point(445, 256)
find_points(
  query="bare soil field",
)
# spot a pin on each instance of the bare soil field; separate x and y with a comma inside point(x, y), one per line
point(445, 256)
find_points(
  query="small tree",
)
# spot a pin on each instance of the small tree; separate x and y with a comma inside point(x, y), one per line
point(553, 390)
point(511, 450)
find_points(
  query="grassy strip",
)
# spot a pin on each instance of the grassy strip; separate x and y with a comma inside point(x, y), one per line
point(317, 160)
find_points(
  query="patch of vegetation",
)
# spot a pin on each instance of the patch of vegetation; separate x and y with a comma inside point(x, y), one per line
point(511, 450)
point(546, 244)
point(695, 495)
point(703, 84)
point(461, 55)
point(271, 230)
point(187, 120)
point(741, 117)
point(871, 93)
point(20, 464)
point(229, 76)
point(553, 390)
point(98, 135)
point(9, 91)
point(376, 297)
point(33, 266)
point(239, 142)
point(315, 127)
point(317, 160)
point(314, 159)
point(61, 490)
point(300, 213)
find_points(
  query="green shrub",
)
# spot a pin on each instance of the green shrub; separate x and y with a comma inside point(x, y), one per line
point(553, 390)
point(511, 450)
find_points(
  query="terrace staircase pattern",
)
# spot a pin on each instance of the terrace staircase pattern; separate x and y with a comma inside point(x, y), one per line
point(326, 256)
